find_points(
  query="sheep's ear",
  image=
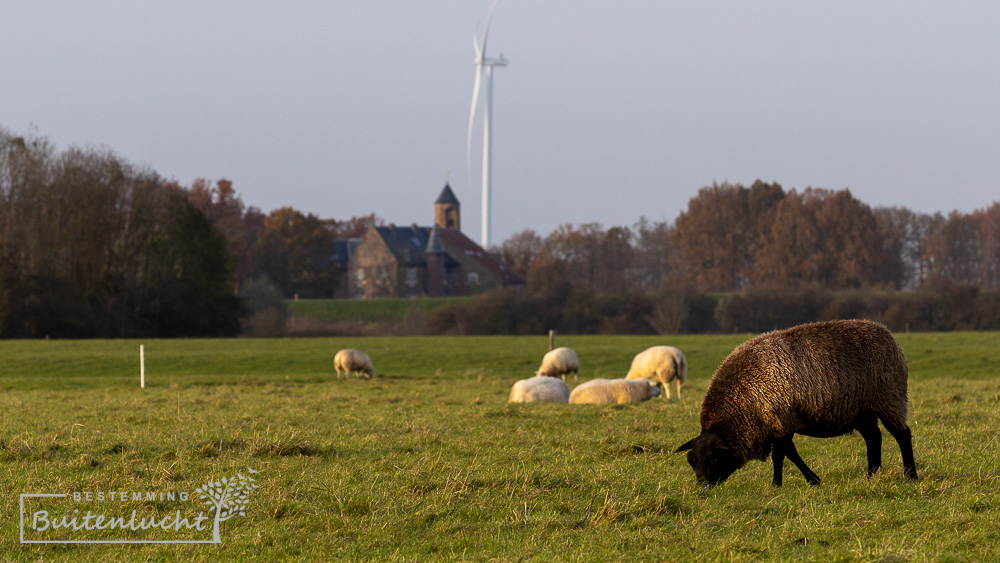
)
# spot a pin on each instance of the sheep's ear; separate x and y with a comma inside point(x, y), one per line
point(685, 446)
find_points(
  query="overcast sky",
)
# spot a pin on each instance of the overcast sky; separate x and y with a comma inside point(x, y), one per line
point(607, 111)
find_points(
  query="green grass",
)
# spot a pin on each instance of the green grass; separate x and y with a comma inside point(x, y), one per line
point(370, 310)
point(428, 461)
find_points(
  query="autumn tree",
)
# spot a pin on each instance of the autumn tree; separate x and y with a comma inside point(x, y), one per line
point(296, 253)
point(828, 239)
point(988, 223)
point(954, 249)
point(241, 226)
point(519, 250)
point(616, 258)
point(654, 258)
point(718, 234)
point(904, 236)
point(354, 227)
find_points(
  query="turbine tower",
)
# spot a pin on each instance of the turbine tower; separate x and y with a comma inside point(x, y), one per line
point(484, 66)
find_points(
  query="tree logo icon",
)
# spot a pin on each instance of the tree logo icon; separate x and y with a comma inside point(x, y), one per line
point(228, 496)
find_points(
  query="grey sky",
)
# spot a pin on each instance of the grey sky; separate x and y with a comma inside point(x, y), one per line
point(608, 111)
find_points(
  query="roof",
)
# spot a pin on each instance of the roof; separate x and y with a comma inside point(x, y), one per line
point(343, 249)
point(434, 243)
point(408, 244)
point(457, 240)
point(447, 196)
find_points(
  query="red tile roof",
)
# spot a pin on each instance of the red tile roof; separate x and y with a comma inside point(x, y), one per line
point(463, 244)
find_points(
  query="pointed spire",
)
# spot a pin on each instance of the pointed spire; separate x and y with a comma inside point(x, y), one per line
point(447, 196)
point(434, 243)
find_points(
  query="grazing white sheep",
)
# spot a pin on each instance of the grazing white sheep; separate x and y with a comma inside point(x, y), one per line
point(539, 389)
point(614, 391)
point(661, 364)
point(559, 362)
point(353, 361)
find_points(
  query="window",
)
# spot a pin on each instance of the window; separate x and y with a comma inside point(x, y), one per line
point(411, 278)
point(359, 275)
point(473, 278)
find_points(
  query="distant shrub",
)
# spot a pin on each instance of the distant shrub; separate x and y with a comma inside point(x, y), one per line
point(987, 310)
point(266, 312)
point(764, 309)
point(682, 310)
point(672, 310)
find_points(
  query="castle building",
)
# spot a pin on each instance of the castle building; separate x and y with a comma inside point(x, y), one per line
point(415, 261)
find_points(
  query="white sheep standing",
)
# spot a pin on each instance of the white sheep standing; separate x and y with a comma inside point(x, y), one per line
point(353, 361)
point(661, 364)
point(613, 391)
point(539, 389)
point(559, 362)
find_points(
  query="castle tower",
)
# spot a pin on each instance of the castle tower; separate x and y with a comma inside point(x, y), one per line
point(434, 254)
point(446, 210)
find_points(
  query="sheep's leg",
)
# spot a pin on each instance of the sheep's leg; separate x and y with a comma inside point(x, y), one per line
point(666, 385)
point(678, 388)
point(904, 437)
point(793, 454)
point(873, 441)
point(778, 457)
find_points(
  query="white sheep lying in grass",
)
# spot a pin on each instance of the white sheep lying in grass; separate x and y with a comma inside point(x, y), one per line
point(661, 364)
point(353, 361)
point(559, 362)
point(539, 389)
point(614, 391)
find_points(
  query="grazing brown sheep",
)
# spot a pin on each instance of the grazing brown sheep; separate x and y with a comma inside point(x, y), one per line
point(821, 379)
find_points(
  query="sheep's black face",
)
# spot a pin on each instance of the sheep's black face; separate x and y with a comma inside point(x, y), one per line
point(711, 458)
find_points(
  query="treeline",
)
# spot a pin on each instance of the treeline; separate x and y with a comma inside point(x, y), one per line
point(91, 245)
point(933, 307)
point(750, 259)
point(735, 238)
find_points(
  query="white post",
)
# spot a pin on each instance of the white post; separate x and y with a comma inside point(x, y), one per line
point(142, 366)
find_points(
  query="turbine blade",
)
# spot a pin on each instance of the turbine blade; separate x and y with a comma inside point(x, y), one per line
point(486, 30)
point(472, 119)
point(475, 46)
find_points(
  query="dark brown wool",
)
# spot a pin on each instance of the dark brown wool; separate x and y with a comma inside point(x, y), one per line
point(821, 379)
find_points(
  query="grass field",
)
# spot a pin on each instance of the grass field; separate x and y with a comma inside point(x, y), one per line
point(428, 461)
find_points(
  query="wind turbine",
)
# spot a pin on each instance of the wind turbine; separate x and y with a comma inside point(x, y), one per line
point(484, 66)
